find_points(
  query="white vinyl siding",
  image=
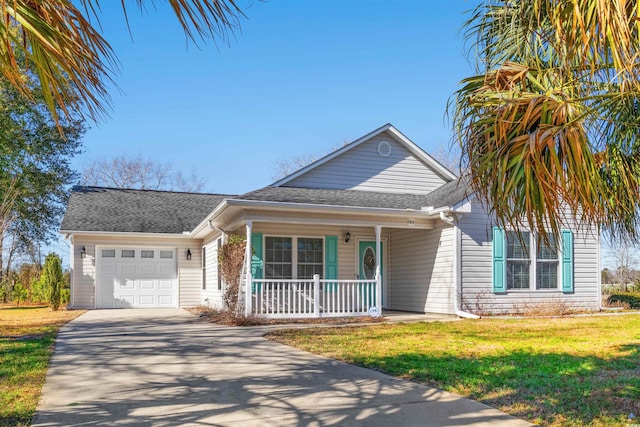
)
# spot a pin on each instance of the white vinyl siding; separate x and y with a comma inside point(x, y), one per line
point(212, 296)
point(84, 274)
point(476, 266)
point(422, 270)
point(363, 168)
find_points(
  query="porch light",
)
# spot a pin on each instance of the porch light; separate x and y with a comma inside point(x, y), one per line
point(188, 254)
point(347, 237)
point(83, 252)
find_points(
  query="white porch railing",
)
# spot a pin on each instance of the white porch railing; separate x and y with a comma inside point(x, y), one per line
point(280, 298)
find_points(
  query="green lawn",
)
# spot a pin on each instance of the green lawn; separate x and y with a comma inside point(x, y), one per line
point(579, 371)
point(26, 343)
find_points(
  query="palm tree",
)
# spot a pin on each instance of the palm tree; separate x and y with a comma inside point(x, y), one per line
point(71, 59)
point(550, 125)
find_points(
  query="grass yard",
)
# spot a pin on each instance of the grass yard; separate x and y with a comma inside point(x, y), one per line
point(577, 371)
point(27, 335)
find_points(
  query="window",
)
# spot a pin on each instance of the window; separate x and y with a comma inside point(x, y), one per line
point(547, 264)
point(518, 260)
point(281, 261)
point(146, 254)
point(219, 269)
point(128, 253)
point(108, 253)
point(204, 268)
point(166, 254)
point(309, 257)
point(520, 257)
point(278, 258)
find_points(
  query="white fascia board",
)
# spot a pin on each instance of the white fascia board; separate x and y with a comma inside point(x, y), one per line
point(331, 155)
point(421, 154)
point(289, 206)
point(205, 223)
point(126, 234)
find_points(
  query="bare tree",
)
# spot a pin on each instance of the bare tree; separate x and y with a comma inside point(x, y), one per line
point(140, 173)
point(626, 259)
point(449, 157)
point(284, 167)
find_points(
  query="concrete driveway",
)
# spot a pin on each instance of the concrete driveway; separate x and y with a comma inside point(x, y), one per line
point(165, 367)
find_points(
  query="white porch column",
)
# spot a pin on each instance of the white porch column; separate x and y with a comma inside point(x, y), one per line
point(247, 260)
point(378, 271)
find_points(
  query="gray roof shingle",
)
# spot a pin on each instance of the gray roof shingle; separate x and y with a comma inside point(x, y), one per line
point(449, 194)
point(150, 211)
point(353, 198)
point(136, 211)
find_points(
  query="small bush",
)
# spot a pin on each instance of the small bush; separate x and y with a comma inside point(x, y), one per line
point(633, 299)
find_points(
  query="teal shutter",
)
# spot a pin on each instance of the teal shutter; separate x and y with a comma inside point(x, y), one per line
point(567, 260)
point(257, 264)
point(331, 259)
point(499, 261)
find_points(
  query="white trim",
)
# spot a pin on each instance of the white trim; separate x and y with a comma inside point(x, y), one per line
point(403, 140)
point(127, 234)
point(342, 222)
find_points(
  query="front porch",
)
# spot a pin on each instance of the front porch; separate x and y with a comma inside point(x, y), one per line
point(358, 270)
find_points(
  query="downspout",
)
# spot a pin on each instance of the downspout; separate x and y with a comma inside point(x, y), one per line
point(451, 219)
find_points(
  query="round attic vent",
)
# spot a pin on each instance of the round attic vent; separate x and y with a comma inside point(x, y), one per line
point(384, 148)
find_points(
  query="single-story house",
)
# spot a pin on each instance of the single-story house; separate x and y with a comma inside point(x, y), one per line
point(377, 224)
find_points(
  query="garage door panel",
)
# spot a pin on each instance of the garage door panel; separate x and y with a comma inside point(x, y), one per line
point(147, 284)
point(164, 269)
point(107, 268)
point(137, 282)
point(146, 300)
point(128, 269)
point(148, 269)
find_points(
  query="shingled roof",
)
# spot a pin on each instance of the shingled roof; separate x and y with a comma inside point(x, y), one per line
point(354, 198)
point(136, 211)
point(449, 194)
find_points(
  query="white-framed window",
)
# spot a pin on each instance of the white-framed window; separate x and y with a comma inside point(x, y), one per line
point(532, 262)
point(293, 257)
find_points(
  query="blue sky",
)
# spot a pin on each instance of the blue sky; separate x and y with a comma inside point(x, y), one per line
point(300, 77)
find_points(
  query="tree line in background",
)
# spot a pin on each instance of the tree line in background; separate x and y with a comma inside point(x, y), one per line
point(35, 284)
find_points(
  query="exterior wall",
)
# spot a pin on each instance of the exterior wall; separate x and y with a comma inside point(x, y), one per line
point(362, 168)
point(84, 273)
point(422, 273)
point(476, 272)
point(212, 296)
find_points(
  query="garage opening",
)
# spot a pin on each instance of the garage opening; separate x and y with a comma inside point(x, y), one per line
point(134, 277)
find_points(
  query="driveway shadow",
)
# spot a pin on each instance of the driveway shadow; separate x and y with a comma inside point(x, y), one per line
point(162, 368)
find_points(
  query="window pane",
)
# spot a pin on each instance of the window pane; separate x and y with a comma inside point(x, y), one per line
point(277, 262)
point(146, 254)
point(108, 253)
point(517, 274)
point(166, 254)
point(547, 250)
point(547, 275)
point(518, 244)
point(309, 257)
point(128, 253)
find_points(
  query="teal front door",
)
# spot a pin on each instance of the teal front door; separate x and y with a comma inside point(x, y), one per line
point(367, 262)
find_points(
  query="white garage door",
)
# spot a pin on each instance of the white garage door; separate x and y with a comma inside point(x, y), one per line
point(136, 277)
